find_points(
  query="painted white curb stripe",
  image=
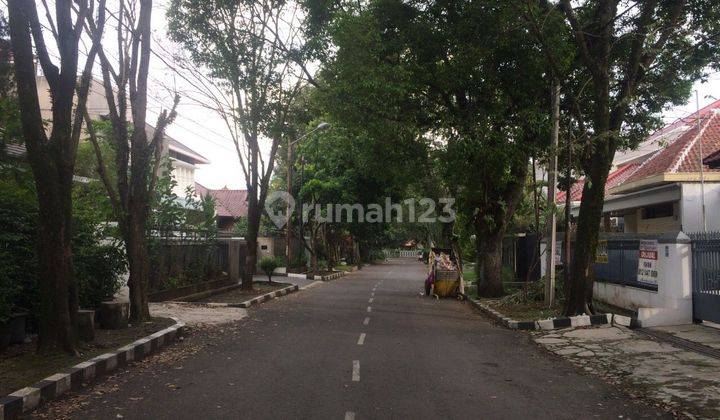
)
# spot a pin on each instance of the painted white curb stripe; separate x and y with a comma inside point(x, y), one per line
point(356, 371)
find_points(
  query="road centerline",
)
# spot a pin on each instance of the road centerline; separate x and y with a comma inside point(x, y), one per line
point(356, 371)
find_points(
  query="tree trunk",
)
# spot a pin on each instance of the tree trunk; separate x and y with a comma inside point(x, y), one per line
point(52, 162)
point(252, 241)
point(313, 254)
point(579, 299)
point(58, 292)
point(139, 267)
point(491, 284)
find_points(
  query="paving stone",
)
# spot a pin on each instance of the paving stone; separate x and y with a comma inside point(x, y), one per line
point(551, 340)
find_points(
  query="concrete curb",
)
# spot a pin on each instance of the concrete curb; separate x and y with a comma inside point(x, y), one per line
point(554, 323)
point(257, 299)
point(333, 276)
point(27, 399)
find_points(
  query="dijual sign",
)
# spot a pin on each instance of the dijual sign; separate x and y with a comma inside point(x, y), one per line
point(647, 262)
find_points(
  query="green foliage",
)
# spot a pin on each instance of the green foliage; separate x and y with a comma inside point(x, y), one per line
point(19, 268)
point(99, 261)
point(99, 256)
point(86, 162)
point(300, 260)
point(268, 265)
point(182, 235)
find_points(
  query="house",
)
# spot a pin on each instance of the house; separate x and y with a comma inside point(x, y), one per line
point(653, 197)
point(184, 160)
point(661, 190)
point(230, 205)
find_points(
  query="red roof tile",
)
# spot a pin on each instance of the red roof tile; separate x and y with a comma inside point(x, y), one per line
point(228, 203)
point(615, 178)
point(683, 154)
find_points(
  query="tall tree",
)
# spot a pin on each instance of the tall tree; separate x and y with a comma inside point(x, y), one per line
point(465, 75)
point(632, 59)
point(138, 147)
point(52, 155)
point(255, 53)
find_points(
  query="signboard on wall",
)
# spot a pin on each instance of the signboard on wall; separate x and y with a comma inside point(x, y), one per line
point(647, 262)
point(602, 252)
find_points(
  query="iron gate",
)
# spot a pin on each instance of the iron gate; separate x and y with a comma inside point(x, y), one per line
point(706, 276)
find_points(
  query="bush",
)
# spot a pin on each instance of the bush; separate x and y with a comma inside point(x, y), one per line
point(300, 260)
point(99, 263)
point(268, 266)
point(19, 267)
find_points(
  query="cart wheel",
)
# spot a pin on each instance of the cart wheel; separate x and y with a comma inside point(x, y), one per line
point(460, 297)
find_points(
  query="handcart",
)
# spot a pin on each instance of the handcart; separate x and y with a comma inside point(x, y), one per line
point(445, 274)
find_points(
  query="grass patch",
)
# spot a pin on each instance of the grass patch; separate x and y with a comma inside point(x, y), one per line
point(344, 267)
point(525, 311)
point(240, 295)
point(21, 366)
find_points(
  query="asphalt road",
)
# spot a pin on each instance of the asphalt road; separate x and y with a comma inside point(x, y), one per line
point(365, 346)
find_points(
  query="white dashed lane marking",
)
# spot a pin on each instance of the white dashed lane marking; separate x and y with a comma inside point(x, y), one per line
point(349, 415)
point(366, 320)
point(356, 371)
point(370, 300)
point(361, 340)
point(369, 309)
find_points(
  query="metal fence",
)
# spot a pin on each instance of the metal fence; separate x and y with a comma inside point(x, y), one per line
point(402, 253)
point(706, 275)
point(622, 262)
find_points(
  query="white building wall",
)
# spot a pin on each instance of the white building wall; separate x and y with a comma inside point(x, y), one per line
point(671, 304)
point(184, 175)
point(690, 206)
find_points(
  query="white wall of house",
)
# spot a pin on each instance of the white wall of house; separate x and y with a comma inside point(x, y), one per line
point(671, 304)
point(638, 222)
point(184, 175)
point(690, 206)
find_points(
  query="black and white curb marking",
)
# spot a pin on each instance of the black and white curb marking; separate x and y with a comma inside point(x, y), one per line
point(555, 323)
point(29, 398)
point(264, 298)
point(333, 276)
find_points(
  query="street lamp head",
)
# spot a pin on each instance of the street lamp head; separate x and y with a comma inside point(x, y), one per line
point(322, 126)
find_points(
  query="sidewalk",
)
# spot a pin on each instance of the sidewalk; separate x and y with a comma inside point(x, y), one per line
point(685, 381)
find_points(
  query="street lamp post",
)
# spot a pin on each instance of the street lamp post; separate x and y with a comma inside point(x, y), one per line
point(288, 210)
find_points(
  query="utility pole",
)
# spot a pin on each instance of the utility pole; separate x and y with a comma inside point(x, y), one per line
point(552, 175)
point(568, 214)
point(702, 170)
point(288, 209)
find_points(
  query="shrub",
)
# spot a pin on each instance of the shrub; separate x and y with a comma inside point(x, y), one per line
point(300, 260)
point(19, 267)
point(99, 262)
point(268, 266)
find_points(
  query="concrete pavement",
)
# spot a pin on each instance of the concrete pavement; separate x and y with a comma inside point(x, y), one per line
point(365, 346)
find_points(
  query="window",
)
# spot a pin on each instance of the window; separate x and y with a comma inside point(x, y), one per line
point(658, 211)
